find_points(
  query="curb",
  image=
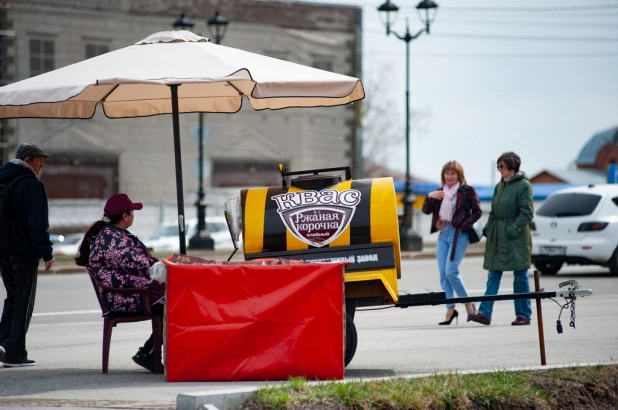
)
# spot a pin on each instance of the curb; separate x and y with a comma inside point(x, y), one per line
point(432, 254)
point(222, 399)
point(234, 399)
point(61, 270)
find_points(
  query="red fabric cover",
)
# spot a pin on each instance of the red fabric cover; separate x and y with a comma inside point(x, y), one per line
point(247, 322)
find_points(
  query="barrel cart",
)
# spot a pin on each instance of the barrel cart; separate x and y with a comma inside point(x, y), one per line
point(325, 215)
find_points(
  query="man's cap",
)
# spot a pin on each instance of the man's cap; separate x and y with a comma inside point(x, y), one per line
point(28, 150)
point(118, 204)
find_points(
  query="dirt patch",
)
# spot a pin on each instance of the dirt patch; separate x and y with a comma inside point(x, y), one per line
point(581, 388)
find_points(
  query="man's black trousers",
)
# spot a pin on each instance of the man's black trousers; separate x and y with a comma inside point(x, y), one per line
point(19, 275)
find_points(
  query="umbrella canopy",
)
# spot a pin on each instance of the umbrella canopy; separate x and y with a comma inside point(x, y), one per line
point(174, 72)
point(134, 82)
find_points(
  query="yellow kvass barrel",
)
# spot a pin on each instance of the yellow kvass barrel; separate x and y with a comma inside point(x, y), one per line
point(321, 218)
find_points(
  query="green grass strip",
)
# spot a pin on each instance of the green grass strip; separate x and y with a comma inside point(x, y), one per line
point(547, 389)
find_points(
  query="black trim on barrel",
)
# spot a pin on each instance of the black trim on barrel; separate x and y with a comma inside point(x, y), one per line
point(274, 229)
point(360, 257)
point(360, 226)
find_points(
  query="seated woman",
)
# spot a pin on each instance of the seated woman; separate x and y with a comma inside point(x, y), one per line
point(117, 259)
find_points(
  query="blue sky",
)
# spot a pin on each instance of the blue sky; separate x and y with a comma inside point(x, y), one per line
point(535, 77)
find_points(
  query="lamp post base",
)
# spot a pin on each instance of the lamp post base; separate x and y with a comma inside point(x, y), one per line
point(201, 242)
point(410, 240)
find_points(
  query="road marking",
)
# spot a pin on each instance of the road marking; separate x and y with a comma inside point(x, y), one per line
point(98, 323)
point(71, 312)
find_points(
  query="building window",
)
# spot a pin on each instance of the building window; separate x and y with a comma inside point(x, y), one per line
point(93, 50)
point(73, 176)
point(233, 173)
point(41, 56)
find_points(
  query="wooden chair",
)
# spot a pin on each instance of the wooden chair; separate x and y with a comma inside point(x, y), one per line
point(111, 320)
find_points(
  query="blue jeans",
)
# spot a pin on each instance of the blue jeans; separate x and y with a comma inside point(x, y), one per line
point(450, 281)
point(523, 307)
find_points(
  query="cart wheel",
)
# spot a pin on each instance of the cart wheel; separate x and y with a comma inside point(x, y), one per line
point(351, 339)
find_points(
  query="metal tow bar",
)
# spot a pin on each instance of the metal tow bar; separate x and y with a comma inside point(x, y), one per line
point(570, 294)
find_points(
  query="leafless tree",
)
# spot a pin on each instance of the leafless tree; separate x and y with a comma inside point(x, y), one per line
point(383, 126)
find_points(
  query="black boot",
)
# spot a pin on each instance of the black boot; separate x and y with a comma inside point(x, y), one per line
point(146, 359)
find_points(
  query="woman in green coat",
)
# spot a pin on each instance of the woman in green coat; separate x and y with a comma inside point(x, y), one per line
point(508, 246)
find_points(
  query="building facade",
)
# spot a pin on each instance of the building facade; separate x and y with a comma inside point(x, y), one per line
point(97, 157)
point(590, 166)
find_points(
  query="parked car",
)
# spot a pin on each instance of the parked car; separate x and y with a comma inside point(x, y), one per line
point(165, 237)
point(67, 244)
point(577, 226)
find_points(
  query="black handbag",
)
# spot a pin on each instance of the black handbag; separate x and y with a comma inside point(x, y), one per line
point(476, 233)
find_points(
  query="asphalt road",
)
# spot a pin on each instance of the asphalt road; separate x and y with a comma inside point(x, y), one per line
point(66, 332)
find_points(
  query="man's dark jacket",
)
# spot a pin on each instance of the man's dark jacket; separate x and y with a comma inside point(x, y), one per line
point(30, 201)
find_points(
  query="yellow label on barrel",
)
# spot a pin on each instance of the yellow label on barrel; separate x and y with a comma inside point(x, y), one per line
point(354, 220)
point(353, 212)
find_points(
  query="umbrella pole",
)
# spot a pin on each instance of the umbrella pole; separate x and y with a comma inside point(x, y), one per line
point(178, 163)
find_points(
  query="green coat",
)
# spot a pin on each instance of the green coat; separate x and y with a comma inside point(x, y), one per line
point(508, 246)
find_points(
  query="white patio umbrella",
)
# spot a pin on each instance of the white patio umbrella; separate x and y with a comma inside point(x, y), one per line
point(174, 72)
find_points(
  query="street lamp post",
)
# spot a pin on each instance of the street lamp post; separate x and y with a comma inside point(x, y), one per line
point(183, 23)
point(201, 239)
point(6, 78)
point(409, 239)
point(217, 25)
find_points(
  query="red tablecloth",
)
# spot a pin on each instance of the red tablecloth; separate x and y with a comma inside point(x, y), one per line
point(247, 322)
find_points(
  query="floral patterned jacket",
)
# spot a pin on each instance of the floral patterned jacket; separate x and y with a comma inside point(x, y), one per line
point(119, 260)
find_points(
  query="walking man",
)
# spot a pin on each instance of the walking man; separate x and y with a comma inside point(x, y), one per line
point(24, 241)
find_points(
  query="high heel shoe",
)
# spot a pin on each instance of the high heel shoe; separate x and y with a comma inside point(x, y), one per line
point(455, 316)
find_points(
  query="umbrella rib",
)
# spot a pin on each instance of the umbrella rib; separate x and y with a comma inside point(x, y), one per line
point(110, 91)
point(234, 87)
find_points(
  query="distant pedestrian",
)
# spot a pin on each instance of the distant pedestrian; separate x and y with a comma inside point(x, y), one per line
point(508, 246)
point(454, 219)
point(117, 259)
point(24, 241)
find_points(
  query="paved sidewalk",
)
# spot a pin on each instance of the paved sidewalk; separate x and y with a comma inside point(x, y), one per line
point(411, 336)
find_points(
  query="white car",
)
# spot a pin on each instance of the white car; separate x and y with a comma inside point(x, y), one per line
point(67, 244)
point(577, 226)
point(165, 237)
